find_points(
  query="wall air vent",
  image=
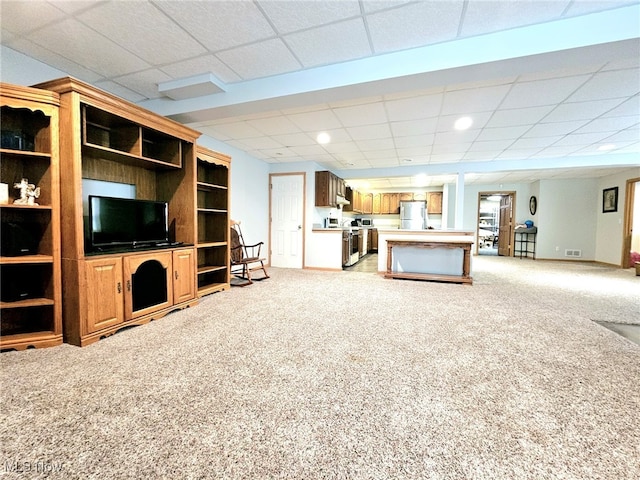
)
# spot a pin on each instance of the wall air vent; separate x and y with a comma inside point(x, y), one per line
point(573, 253)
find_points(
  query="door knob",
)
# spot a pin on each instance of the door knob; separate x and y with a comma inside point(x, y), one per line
point(299, 227)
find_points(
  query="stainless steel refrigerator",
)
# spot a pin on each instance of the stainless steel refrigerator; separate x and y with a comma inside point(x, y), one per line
point(413, 215)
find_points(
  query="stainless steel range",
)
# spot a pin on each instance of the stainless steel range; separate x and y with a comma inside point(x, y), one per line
point(353, 251)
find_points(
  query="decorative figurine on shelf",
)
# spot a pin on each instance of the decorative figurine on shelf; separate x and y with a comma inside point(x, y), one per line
point(28, 193)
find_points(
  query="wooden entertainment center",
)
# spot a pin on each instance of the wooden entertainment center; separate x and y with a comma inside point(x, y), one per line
point(107, 140)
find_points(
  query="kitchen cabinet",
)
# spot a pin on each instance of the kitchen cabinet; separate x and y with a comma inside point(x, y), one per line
point(434, 202)
point(328, 186)
point(30, 288)
point(406, 197)
point(377, 204)
point(367, 203)
point(373, 240)
point(390, 203)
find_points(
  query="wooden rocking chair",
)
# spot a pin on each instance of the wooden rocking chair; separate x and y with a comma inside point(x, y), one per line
point(245, 258)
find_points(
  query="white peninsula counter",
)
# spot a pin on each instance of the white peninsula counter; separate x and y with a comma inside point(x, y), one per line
point(440, 255)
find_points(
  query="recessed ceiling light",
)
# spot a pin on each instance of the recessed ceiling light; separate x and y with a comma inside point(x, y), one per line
point(323, 137)
point(607, 147)
point(407, 160)
point(463, 123)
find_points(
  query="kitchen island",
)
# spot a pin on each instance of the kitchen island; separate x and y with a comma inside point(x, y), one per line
point(439, 255)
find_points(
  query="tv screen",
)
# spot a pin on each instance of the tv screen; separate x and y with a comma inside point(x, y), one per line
point(115, 222)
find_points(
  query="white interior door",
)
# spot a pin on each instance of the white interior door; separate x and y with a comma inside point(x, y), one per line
point(287, 220)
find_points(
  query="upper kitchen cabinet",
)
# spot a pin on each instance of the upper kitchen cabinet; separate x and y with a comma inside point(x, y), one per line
point(328, 188)
point(434, 203)
point(30, 261)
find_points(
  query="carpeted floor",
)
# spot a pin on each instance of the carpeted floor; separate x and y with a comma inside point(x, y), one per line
point(346, 375)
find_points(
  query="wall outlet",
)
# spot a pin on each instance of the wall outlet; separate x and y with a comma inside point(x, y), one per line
point(557, 249)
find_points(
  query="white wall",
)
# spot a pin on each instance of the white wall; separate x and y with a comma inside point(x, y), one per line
point(19, 69)
point(566, 218)
point(609, 226)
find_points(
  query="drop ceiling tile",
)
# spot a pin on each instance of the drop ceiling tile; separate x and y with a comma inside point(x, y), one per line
point(580, 139)
point(120, 90)
point(370, 113)
point(316, 121)
point(278, 125)
point(414, 127)
point(330, 44)
point(482, 16)
point(257, 60)
point(144, 83)
point(445, 157)
point(414, 141)
point(236, 130)
point(446, 122)
point(609, 124)
point(631, 134)
point(370, 132)
point(69, 66)
point(553, 128)
point(542, 92)
point(490, 145)
point(466, 136)
point(628, 107)
point(450, 148)
point(88, 48)
point(413, 152)
point(539, 142)
point(518, 153)
point(23, 17)
point(473, 100)
point(279, 153)
point(404, 27)
point(502, 133)
point(518, 116)
point(341, 147)
point(292, 16)
point(294, 139)
point(147, 39)
point(611, 84)
point(372, 145)
point(582, 110)
point(315, 150)
point(582, 8)
point(200, 65)
point(414, 108)
point(261, 143)
point(215, 24)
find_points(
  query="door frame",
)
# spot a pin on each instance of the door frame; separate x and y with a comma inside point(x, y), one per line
point(629, 199)
point(304, 210)
point(510, 193)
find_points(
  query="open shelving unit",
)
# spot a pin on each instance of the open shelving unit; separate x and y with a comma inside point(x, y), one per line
point(30, 300)
point(212, 198)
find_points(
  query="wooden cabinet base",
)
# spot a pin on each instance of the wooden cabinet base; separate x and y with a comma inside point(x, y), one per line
point(30, 340)
point(94, 337)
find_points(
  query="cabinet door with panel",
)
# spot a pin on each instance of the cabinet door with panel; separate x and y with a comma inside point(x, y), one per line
point(184, 284)
point(105, 307)
point(377, 203)
point(434, 202)
point(148, 284)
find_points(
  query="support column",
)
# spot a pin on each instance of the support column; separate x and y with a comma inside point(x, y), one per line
point(459, 201)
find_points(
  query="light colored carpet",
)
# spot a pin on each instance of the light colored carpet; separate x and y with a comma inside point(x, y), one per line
point(347, 375)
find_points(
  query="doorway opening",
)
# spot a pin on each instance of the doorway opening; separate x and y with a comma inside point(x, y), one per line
point(495, 223)
point(631, 243)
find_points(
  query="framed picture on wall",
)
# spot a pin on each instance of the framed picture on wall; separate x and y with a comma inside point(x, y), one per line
point(610, 200)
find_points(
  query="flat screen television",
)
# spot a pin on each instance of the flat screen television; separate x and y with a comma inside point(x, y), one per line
point(122, 222)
